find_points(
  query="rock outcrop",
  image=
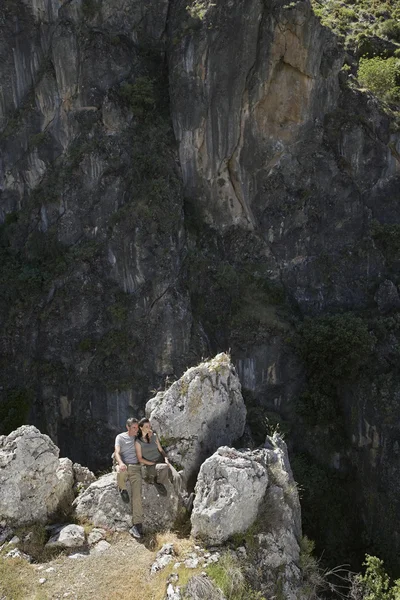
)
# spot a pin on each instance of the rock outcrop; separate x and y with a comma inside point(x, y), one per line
point(199, 413)
point(101, 504)
point(34, 482)
point(253, 493)
point(229, 492)
point(161, 202)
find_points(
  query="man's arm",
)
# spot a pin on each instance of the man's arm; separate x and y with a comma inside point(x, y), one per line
point(121, 464)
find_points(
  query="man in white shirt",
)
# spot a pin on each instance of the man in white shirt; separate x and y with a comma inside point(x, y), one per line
point(128, 467)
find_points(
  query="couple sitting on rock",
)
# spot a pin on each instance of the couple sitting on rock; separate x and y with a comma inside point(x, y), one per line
point(139, 448)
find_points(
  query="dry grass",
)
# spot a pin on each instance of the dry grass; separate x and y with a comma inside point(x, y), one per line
point(120, 573)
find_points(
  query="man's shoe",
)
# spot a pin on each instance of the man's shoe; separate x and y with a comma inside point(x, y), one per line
point(161, 489)
point(139, 527)
point(134, 531)
point(124, 495)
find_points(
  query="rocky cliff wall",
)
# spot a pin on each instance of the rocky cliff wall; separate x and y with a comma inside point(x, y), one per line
point(176, 182)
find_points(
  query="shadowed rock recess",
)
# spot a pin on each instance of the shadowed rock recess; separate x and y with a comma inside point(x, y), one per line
point(178, 181)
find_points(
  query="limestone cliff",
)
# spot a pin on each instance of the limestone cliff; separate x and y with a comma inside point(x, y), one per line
point(176, 181)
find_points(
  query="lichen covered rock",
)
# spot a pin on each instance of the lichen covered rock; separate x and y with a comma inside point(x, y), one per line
point(229, 491)
point(253, 494)
point(199, 413)
point(34, 483)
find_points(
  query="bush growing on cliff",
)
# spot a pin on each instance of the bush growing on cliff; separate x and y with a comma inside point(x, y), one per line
point(333, 350)
point(381, 76)
point(139, 95)
point(375, 584)
point(228, 576)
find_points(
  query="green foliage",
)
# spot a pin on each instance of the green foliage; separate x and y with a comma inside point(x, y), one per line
point(360, 21)
point(334, 347)
point(387, 238)
point(260, 421)
point(14, 409)
point(333, 350)
point(27, 265)
point(312, 579)
point(34, 544)
point(198, 8)
point(375, 584)
point(241, 298)
point(381, 76)
point(391, 30)
point(85, 251)
point(227, 575)
point(139, 96)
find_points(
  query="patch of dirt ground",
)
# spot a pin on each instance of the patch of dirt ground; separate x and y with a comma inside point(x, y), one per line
point(120, 572)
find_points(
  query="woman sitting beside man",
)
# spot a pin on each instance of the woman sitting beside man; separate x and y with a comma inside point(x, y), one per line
point(158, 469)
point(152, 455)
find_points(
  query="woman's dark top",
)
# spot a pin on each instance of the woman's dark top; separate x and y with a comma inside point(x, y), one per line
point(150, 450)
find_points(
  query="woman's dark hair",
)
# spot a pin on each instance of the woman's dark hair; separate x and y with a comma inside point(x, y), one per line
point(141, 423)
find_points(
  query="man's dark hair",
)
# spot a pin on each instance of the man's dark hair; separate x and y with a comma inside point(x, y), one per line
point(131, 421)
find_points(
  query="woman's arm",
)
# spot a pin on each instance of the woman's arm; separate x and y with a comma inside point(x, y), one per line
point(139, 455)
point(161, 450)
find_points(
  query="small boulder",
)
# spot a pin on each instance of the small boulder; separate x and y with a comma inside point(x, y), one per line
point(15, 553)
point(69, 536)
point(163, 557)
point(201, 587)
point(96, 535)
point(200, 412)
point(101, 546)
point(83, 477)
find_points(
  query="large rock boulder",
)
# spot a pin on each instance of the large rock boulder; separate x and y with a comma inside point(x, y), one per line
point(34, 483)
point(101, 504)
point(200, 412)
point(239, 489)
point(229, 491)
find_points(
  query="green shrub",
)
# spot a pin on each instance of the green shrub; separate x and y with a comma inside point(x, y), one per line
point(333, 348)
point(198, 8)
point(388, 238)
point(381, 76)
point(375, 584)
point(391, 29)
point(228, 576)
point(139, 96)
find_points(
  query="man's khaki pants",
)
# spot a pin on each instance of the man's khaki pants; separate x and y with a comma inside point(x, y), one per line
point(134, 474)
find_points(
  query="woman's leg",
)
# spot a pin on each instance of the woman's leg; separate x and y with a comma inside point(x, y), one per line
point(149, 473)
point(162, 473)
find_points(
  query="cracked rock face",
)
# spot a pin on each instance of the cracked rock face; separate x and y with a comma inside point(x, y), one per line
point(253, 493)
point(199, 413)
point(229, 491)
point(34, 482)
